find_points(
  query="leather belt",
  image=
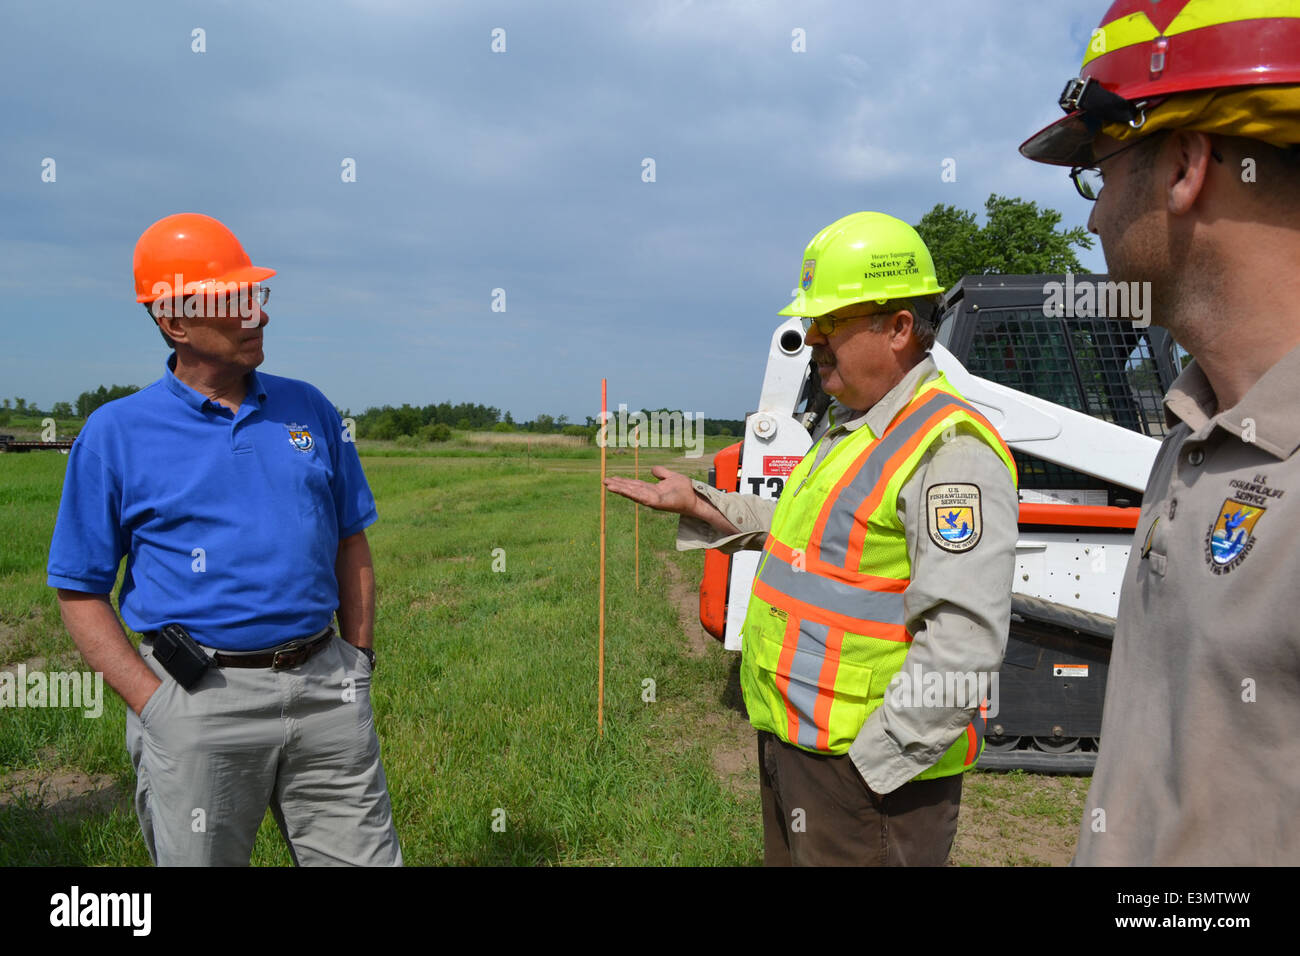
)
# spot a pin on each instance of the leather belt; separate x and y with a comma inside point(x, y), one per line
point(279, 658)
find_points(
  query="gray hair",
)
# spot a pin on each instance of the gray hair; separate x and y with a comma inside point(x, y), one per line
point(925, 317)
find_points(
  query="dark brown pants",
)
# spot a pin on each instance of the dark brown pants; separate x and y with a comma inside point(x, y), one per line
point(818, 811)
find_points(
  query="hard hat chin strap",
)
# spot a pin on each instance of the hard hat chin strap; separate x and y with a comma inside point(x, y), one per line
point(1100, 106)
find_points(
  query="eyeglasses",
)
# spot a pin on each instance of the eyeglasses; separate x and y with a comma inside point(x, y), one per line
point(255, 292)
point(827, 324)
point(1089, 180)
point(237, 302)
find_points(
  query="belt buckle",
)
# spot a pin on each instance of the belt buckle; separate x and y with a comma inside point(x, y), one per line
point(290, 660)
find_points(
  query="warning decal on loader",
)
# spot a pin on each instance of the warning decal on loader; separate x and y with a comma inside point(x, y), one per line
point(780, 464)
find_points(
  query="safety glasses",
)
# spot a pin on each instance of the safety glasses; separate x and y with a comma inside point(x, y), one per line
point(1089, 180)
point(242, 302)
point(827, 324)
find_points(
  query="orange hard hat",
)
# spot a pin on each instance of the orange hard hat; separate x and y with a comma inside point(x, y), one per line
point(1143, 53)
point(186, 253)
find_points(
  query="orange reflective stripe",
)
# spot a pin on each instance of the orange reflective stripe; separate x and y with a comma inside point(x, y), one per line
point(825, 686)
point(857, 539)
point(972, 743)
point(846, 479)
point(789, 641)
point(815, 541)
point(857, 625)
point(818, 566)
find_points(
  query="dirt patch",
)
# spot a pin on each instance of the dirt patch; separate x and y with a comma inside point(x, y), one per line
point(687, 602)
point(62, 793)
point(8, 641)
point(1026, 820)
point(30, 665)
point(735, 755)
point(16, 637)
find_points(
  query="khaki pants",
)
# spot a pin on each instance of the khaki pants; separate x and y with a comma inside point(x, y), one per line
point(210, 760)
point(818, 811)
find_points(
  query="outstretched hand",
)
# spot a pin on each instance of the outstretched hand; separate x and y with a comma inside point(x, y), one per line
point(674, 491)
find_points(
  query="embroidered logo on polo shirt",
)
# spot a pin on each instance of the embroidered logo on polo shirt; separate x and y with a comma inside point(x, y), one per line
point(300, 437)
point(953, 516)
point(1232, 535)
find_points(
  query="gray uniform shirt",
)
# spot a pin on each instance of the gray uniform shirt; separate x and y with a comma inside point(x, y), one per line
point(1200, 741)
point(957, 606)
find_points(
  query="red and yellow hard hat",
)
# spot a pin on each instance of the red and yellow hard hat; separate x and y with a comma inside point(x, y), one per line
point(1147, 53)
point(193, 251)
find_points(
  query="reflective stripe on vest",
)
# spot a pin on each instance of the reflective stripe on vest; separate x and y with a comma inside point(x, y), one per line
point(823, 634)
point(839, 535)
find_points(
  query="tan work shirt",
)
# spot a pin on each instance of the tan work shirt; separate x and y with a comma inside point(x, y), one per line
point(1200, 738)
point(957, 606)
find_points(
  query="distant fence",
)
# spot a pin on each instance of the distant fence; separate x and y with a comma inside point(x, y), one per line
point(520, 438)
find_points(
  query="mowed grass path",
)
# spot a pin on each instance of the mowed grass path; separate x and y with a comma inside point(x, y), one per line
point(485, 694)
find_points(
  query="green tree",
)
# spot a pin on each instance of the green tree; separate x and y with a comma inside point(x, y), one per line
point(1017, 238)
point(87, 402)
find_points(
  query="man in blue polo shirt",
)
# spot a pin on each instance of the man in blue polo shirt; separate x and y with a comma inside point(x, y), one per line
point(241, 510)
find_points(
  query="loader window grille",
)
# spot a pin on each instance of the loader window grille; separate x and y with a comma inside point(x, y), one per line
point(1101, 367)
point(1025, 350)
point(1118, 372)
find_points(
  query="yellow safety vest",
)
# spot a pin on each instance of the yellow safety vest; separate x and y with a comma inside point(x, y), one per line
point(824, 632)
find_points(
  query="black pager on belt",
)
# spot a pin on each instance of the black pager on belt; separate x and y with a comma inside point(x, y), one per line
point(176, 651)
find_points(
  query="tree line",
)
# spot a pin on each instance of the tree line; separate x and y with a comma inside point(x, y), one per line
point(1017, 238)
point(384, 423)
point(86, 403)
point(434, 422)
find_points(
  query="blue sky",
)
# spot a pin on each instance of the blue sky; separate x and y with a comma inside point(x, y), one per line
point(519, 170)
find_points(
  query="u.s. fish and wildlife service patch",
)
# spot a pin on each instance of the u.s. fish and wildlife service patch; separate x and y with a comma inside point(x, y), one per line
point(805, 279)
point(953, 516)
point(1232, 535)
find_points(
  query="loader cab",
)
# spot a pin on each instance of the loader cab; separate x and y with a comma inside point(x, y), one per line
point(1054, 337)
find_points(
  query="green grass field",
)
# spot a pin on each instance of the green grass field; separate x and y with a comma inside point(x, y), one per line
point(485, 695)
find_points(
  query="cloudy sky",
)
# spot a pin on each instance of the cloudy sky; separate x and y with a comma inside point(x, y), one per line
point(478, 170)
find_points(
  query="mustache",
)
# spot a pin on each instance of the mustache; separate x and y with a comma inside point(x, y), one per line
point(821, 356)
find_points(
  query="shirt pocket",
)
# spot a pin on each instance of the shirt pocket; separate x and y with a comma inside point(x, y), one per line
point(1153, 547)
point(823, 682)
point(311, 484)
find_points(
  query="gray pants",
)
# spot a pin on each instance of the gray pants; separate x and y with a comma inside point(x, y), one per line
point(210, 760)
